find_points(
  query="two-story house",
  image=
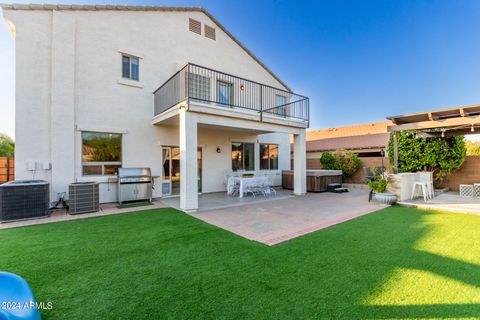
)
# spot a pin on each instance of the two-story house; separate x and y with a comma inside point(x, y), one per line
point(103, 87)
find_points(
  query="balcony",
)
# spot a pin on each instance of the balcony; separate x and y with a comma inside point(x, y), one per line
point(207, 87)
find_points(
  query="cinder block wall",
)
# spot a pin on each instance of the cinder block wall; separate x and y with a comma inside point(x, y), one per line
point(469, 173)
point(359, 177)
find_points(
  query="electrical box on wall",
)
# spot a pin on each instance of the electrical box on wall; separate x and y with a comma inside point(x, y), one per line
point(46, 165)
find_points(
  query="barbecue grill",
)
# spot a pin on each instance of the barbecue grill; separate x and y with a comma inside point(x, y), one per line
point(134, 184)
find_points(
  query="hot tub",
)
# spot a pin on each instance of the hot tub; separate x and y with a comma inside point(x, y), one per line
point(317, 180)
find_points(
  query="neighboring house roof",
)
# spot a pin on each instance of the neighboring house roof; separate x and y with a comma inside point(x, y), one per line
point(72, 7)
point(358, 142)
point(348, 131)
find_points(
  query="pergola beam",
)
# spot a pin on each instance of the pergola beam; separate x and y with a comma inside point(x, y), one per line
point(447, 133)
point(438, 124)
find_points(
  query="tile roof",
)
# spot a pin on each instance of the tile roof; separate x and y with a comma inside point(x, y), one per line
point(76, 7)
point(348, 131)
point(358, 142)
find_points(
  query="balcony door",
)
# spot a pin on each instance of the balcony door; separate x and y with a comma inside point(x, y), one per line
point(171, 171)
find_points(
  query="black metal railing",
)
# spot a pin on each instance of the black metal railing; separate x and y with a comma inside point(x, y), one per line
point(204, 85)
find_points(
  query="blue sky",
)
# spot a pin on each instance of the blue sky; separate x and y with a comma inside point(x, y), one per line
point(358, 61)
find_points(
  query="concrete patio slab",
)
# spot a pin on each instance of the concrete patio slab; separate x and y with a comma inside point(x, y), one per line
point(220, 200)
point(448, 201)
point(61, 215)
point(274, 222)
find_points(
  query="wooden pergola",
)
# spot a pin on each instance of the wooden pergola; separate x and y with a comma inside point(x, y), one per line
point(439, 123)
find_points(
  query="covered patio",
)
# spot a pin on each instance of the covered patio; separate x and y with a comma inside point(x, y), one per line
point(215, 134)
point(441, 123)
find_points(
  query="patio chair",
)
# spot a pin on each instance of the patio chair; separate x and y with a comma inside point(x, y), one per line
point(423, 185)
point(233, 189)
point(255, 188)
point(268, 185)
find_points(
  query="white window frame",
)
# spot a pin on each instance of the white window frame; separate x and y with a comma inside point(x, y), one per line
point(100, 163)
point(130, 57)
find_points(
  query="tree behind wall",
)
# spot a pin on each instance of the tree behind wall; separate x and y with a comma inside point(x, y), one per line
point(7, 146)
point(440, 155)
point(473, 148)
point(346, 161)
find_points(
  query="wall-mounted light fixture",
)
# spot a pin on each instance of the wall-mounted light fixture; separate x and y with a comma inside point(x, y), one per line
point(219, 150)
point(242, 87)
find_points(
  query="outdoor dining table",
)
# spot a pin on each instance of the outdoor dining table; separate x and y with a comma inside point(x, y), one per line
point(244, 183)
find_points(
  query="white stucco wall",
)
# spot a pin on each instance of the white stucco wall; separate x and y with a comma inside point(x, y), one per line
point(68, 79)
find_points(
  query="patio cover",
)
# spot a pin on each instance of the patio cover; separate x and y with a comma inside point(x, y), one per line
point(439, 123)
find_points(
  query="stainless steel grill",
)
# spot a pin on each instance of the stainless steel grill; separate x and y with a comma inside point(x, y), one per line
point(134, 184)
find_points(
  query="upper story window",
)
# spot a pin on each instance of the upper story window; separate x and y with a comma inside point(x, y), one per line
point(243, 156)
point(281, 104)
point(199, 87)
point(224, 93)
point(130, 67)
point(101, 153)
point(268, 156)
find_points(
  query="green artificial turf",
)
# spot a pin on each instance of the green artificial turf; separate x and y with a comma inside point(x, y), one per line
point(397, 263)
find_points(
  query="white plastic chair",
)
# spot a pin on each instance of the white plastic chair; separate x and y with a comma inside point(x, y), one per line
point(422, 186)
point(425, 185)
point(427, 177)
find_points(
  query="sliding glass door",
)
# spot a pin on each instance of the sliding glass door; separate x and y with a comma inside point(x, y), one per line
point(171, 171)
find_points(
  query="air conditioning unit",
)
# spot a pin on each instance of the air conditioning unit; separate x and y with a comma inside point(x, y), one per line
point(24, 199)
point(83, 197)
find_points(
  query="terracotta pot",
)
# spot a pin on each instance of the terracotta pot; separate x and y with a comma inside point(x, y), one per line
point(386, 198)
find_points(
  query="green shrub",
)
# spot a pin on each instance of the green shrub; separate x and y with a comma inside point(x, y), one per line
point(440, 155)
point(328, 161)
point(7, 146)
point(348, 162)
point(380, 183)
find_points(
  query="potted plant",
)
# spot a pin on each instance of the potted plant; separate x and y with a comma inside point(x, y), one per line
point(379, 185)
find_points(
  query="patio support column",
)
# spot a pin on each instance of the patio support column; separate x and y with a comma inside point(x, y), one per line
point(395, 152)
point(188, 161)
point(299, 163)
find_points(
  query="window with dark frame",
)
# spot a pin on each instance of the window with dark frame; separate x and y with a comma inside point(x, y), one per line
point(281, 104)
point(224, 92)
point(130, 67)
point(101, 153)
point(268, 156)
point(243, 156)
